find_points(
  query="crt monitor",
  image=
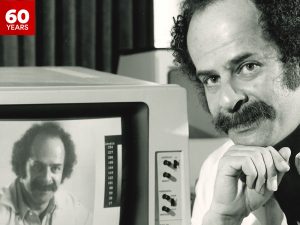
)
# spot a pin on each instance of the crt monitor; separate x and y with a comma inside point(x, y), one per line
point(130, 138)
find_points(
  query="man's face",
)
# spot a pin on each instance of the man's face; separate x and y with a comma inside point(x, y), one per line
point(242, 74)
point(44, 168)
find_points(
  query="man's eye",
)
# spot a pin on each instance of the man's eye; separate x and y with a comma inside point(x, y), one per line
point(55, 169)
point(37, 166)
point(249, 68)
point(210, 81)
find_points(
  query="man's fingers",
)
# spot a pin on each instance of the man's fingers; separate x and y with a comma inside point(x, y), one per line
point(252, 167)
point(281, 158)
point(250, 171)
point(271, 184)
point(259, 163)
point(297, 162)
point(267, 162)
point(285, 153)
point(281, 161)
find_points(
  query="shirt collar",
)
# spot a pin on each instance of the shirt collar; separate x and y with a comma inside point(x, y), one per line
point(21, 206)
point(13, 198)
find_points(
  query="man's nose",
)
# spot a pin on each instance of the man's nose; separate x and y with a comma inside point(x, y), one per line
point(231, 98)
point(47, 174)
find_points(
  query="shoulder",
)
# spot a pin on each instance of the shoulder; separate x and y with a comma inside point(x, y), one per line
point(68, 204)
point(5, 214)
point(213, 159)
point(206, 181)
point(209, 168)
point(66, 200)
point(5, 210)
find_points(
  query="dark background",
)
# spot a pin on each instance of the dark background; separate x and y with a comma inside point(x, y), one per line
point(88, 33)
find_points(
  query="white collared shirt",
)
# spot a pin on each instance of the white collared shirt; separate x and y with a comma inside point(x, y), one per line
point(269, 214)
point(65, 209)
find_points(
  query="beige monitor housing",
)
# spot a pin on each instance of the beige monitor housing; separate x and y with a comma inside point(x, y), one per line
point(162, 195)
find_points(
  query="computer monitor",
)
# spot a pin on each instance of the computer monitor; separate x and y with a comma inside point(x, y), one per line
point(130, 136)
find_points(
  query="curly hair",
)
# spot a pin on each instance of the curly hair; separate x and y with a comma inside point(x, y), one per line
point(280, 22)
point(22, 148)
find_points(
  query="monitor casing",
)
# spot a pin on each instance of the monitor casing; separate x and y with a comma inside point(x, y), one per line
point(159, 122)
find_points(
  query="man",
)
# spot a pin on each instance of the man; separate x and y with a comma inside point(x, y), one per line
point(244, 56)
point(42, 159)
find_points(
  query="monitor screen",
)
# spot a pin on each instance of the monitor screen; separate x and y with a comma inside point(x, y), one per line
point(98, 149)
point(104, 177)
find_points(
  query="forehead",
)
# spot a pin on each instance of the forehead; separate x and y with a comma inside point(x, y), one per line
point(225, 25)
point(47, 149)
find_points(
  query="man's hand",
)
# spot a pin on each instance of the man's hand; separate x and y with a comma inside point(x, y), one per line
point(260, 170)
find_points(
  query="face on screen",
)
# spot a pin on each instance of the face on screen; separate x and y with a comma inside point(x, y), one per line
point(44, 168)
point(88, 182)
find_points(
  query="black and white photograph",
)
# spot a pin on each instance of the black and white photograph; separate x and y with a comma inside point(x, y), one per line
point(149, 112)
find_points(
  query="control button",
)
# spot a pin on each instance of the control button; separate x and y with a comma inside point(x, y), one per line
point(167, 163)
point(167, 197)
point(167, 175)
point(173, 202)
point(175, 164)
point(165, 209)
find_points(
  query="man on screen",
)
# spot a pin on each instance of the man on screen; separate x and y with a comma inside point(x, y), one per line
point(42, 159)
point(244, 56)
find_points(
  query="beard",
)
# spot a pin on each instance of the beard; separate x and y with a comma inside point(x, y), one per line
point(250, 114)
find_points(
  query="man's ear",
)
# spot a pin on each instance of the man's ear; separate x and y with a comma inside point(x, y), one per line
point(291, 77)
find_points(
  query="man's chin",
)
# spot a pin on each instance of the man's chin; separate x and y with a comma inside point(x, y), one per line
point(41, 197)
point(256, 135)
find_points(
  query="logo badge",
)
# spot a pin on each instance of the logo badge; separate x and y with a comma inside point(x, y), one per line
point(17, 17)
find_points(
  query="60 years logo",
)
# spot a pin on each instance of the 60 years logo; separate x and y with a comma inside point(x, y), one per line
point(17, 17)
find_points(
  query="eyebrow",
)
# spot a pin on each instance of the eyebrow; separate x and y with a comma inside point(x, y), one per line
point(206, 73)
point(52, 164)
point(56, 164)
point(236, 60)
point(239, 58)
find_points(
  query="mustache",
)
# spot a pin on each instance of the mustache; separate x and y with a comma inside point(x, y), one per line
point(248, 115)
point(42, 186)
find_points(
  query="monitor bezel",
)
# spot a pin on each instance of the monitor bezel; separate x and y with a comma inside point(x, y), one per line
point(135, 140)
